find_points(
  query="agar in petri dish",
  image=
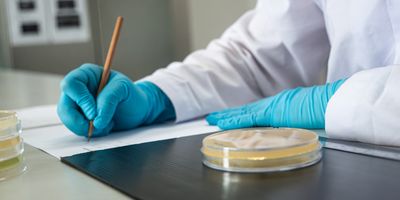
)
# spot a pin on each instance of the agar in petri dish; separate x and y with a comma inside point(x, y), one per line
point(261, 149)
point(11, 146)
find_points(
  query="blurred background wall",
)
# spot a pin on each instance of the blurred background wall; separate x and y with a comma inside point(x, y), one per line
point(155, 33)
point(5, 57)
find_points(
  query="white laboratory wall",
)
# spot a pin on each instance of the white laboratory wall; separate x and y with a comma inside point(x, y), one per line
point(5, 56)
point(39, 22)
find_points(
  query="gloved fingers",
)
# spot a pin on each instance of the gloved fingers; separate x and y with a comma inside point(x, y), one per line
point(80, 85)
point(104, 131)
point(243, 121)
point(70, 115)
point(109, 99)
point(250, 108)
point(214, 117)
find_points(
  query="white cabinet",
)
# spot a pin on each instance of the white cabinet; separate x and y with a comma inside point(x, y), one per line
point(33, 22)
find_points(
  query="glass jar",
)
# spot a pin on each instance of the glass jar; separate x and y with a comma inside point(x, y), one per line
point(11, 146)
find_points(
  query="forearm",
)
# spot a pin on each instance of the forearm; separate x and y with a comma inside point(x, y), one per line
point(208, 79)
point(302, 107)
point(262, 53)
point(367, 107)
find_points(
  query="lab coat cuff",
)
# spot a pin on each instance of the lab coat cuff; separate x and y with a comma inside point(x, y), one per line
point(364, 108)
point(340, 116)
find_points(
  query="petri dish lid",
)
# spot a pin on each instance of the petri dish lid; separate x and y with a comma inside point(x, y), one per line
point(11, 148)
point(9, 124)
point(259, 139)
point(8, 118)
point(261, 149)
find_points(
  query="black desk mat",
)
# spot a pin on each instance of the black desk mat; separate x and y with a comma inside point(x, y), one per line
point(172, 169)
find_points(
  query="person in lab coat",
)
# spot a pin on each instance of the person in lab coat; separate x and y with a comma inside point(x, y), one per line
point(265, 70)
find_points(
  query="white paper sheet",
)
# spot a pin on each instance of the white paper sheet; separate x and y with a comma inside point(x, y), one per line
point(59, 141)
point(39, 116)
point(43, 129)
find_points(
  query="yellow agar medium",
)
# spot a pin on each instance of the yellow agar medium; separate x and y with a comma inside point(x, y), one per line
point(11, 146)
point(12, 162)
point(261, 149)
point(9, 125)
point(10, 142)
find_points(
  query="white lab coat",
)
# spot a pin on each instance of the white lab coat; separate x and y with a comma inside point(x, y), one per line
point(288, 43)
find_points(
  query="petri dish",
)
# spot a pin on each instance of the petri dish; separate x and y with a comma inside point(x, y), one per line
point(11, 146)
point(261, 149)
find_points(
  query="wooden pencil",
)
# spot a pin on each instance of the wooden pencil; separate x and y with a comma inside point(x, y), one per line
point(107, 65)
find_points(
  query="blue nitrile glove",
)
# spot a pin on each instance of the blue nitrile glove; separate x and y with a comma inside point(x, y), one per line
point(121, 105)
point(302, 107)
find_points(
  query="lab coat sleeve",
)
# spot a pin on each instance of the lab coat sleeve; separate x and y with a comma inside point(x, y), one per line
point(278, 45)
point(366, 108)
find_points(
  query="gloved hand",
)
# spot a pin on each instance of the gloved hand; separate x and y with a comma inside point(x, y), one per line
point(299, 107)
point(121, 105)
